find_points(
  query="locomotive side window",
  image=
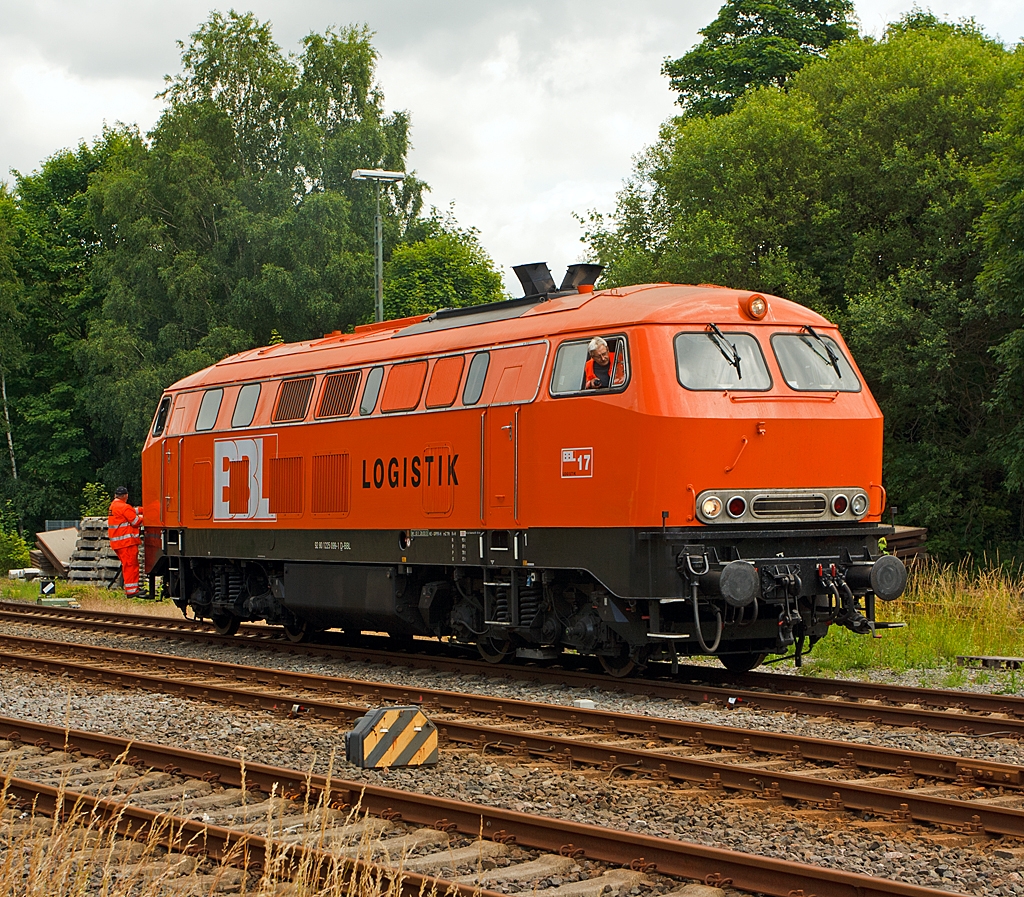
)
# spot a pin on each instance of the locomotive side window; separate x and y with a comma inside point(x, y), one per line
point(404, 387)
point(245, 405)
point(371, 391)
point(444, 381)
point(572, 371)
point(208, 409)
point(160, 421)
point(815, 363)
point(293, 399)
point(475, 378)
point(338, 396)
point(713, 359)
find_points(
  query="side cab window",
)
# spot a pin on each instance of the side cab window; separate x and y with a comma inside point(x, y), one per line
point(160, 420)
point(580, 370)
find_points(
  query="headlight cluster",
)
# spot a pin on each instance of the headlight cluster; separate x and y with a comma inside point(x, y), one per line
point(782, 505)
point(735, 507)
point(857, 505)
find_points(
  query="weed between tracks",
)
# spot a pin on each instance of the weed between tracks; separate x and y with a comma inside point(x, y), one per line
point(78, 854)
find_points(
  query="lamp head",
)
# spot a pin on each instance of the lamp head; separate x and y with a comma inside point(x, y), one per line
point(377, 174)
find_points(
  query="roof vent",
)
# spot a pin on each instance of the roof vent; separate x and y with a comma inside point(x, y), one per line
point(536, 278)
point(581, 275)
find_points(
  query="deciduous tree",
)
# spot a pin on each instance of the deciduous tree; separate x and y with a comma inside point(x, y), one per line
point(132, 262)
point(446, 268)
point(755, 43)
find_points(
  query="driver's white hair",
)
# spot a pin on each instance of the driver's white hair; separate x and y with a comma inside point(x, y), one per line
point(598, 342)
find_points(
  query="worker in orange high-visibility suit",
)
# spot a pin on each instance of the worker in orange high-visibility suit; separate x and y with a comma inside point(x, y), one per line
point(123, 527)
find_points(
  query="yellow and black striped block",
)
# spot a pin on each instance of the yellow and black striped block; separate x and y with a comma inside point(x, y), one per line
point(392, 736)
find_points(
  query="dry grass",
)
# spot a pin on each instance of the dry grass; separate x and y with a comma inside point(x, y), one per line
point(83, 856)
point(949, 611)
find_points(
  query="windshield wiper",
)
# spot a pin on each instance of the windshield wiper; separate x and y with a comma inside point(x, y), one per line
point(718, 338)
point(832, 359)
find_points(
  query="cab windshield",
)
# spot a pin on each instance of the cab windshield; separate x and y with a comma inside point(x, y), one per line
point(717, 359)
point(812, 362)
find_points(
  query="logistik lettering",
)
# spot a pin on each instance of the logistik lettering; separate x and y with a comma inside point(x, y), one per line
point(400, 473)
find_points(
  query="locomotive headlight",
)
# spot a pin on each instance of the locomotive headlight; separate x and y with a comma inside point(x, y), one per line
point(839, 504)
point(737, 506)
point(711, 507)
point(859, 504)
point(755, 306)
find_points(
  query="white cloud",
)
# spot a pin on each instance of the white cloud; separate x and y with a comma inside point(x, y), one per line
point(47, 107)
point(523, 113)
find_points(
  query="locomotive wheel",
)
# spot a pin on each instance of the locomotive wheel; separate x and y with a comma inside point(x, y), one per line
point(741, 663)
point(226, 624)
point(619, 665)
point(300, 631)
point(494, 650)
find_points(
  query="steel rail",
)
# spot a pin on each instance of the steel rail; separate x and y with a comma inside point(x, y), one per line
point(793, 747)
point(967, 816)
point(863, 691)
point(712, 865)
point(1008, 722)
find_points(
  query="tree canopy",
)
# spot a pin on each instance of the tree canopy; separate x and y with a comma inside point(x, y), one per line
point(882, 188)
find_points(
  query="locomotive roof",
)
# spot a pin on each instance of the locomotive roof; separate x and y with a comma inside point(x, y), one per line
point(513, 320)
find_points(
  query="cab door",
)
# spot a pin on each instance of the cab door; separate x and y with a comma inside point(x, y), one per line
point(501, 468)
point(170, 505)
point(170, 466)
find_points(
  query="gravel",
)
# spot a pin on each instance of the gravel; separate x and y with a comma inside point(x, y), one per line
point(906, 853)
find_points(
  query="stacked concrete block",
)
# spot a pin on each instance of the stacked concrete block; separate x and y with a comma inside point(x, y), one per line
point(93, 561)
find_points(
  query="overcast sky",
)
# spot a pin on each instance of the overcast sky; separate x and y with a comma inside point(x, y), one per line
point(523, 113)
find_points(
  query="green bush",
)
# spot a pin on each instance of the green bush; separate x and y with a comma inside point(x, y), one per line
point(95, 500)
point(13, 548)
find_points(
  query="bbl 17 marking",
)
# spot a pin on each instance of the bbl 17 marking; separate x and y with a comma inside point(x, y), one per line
point(577, 462)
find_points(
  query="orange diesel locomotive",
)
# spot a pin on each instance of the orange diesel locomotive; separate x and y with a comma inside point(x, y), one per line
point(451, 475)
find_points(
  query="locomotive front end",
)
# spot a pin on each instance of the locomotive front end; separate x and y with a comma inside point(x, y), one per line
point(784, 499)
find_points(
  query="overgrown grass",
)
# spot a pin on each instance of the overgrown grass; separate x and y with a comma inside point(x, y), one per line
point(89, 597)
point(948, 611)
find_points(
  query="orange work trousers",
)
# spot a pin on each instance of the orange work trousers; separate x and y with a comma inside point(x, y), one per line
point(129, 558)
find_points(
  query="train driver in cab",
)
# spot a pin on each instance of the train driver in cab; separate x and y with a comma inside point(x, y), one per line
point(600, 371)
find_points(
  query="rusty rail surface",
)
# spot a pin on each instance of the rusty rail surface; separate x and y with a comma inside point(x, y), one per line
point(900, 804)
point(892, 705)
point(757, 874)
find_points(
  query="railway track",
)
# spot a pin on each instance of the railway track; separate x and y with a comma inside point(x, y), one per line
point(967, 795)
point(939, 710)
point(255, 815)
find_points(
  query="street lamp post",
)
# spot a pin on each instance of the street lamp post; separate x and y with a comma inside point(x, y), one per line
point(377, 175)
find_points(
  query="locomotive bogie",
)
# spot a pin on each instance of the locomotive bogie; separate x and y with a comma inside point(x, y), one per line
point(453, 476)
